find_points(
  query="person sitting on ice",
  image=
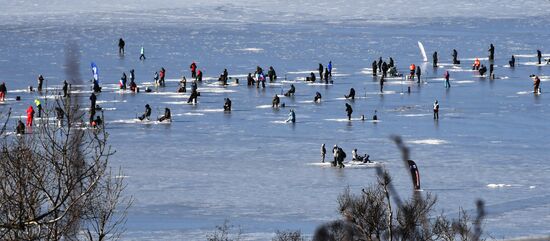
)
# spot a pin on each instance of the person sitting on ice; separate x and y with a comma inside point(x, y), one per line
point(482, 70)
point(20, 129)
point(133, 86)
point(183, 85)
point(275, 102)
point(60, 115)
point(311, 77)
point(167, 115)
point(358, 158)
point(393, 72)
point(97, 122)
point(351, 94)
point(146, 114)
point(317, 97)
point(291, 91)
point(227, 105)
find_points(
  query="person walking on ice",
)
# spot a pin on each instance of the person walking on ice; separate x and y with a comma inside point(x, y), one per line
point(436, 110)
point(142, 54)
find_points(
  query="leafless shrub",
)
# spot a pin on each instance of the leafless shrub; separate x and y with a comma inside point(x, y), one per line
point(54, 183)
point(370, 215)
point(288, 236)
point(224, 232)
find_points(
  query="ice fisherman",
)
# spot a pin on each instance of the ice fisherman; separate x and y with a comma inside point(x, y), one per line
point(271, 74)
point(351, 94)
point(275, 102)
point(142, 53)
point(418, 74)
point(121, 45)
point(3, 91)
point(317, 97)
point(65, 89)
point(30, 115)
point(227, 105)
point(146, 114)
point(167, 115)
point(20, 129)
point(321, 68)
point(356, 157)
point(39, 107)
point(455, 57)
point(291, 116)
point(446, 76)
point(323, 152)
point(40, 82)
point(349, 110)
point(536, 85)
point(436, 110)
point(491, 52)
point(291, 91)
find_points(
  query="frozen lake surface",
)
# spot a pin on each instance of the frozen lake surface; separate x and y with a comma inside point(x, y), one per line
point(249, 166)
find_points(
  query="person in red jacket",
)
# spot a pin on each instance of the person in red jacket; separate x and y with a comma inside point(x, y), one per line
point(199, 76)
point(193, 68)
point(162, 75)
point(3, 91)
point(30, 115)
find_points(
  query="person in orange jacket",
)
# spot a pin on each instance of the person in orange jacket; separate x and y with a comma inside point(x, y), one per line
point(476, 64)
point(30, 115)
point(413, 71)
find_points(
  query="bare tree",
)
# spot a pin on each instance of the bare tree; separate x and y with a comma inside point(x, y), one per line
point(107, 213)
point(366, 212)
point(5, 124)
point(224, 232)
point(54, 183)
point(413, 218)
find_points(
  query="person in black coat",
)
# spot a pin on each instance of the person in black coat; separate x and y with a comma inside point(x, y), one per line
point(351, 94)
point(167, 115)
point(121, 45)
point(146, 114)
point(349, 110)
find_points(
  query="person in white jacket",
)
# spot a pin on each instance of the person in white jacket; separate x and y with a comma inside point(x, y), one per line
point(291, 116)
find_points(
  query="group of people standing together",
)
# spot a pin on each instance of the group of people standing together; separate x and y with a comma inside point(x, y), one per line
point(340, 156)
